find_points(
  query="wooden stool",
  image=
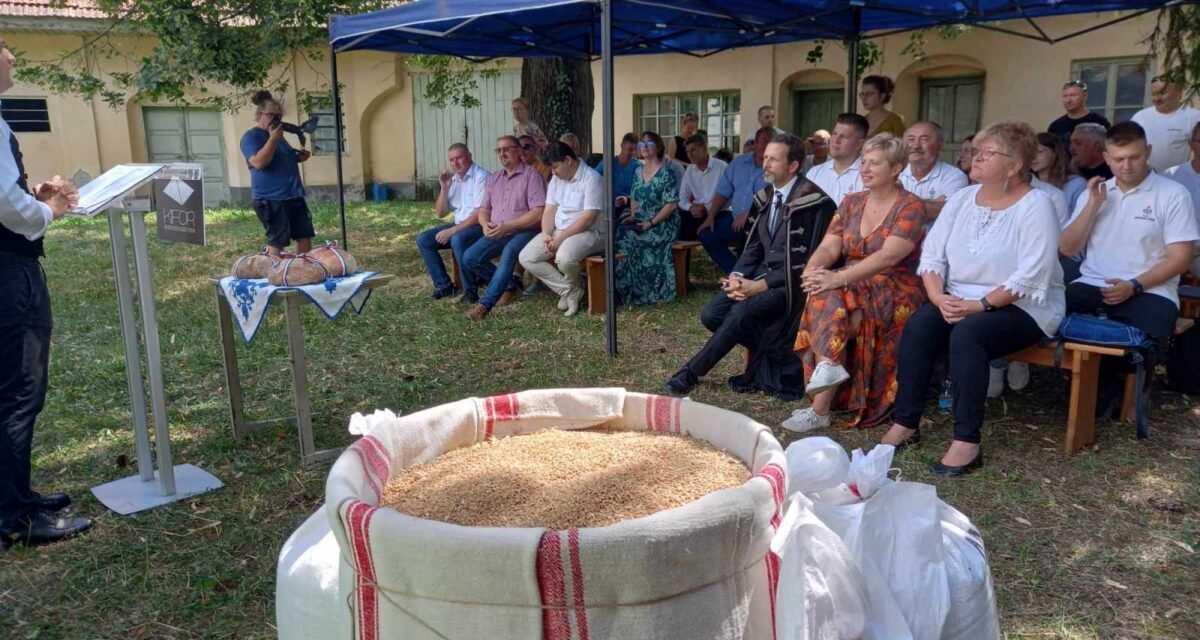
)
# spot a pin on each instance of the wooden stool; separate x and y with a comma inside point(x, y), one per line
point(681, 257)
point(596, 289)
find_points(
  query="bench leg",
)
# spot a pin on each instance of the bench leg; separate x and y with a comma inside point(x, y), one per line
point(1129, 400)
point(680, 259)
point(1081, 417)
point(455, 276)
point(596, 288)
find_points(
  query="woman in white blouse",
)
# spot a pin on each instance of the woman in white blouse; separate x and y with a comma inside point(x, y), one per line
point(990, 267)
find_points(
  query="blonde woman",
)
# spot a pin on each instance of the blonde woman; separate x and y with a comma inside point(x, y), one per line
point(677, 147)
point(523, 126)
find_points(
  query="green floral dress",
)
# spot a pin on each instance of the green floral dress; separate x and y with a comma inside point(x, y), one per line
point(647, 275)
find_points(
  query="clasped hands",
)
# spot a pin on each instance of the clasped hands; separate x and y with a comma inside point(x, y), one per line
point(60, 194)
point(818, 280)
point(738, 288)
point(955, 309)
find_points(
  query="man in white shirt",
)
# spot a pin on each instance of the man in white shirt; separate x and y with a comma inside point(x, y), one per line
point(926, 176)
point(838, 176)
point(461, 191)
point(1167, 124)
point(25, 323)
point(1138, 229)
point(698, 185)
point(1188, 175)
point(570, 227)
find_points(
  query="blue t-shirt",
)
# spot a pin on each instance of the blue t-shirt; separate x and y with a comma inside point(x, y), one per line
point(280, 180)
point(623, 176)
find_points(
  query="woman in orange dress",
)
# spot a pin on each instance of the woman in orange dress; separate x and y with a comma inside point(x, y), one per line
point(867, 301)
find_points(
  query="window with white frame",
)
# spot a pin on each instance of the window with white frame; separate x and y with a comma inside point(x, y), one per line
point(1117, 87)
point(719, 111)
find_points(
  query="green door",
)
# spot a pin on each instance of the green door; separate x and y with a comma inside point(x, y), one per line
point(180, 134)
point(814, 109)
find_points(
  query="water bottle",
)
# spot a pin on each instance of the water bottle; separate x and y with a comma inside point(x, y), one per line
point(946, 401)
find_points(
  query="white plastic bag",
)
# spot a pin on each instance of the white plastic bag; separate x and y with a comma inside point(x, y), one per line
point(868, 472)
point(973, 614)
point(816, 464)
point(821, 594)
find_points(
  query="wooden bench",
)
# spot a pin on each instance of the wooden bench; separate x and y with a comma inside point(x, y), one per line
point(456, 274)
point(1083, 361)
point(681, 258)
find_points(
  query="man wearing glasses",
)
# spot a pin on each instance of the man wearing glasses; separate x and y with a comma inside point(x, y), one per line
point(1074, 102)
point(529, 155)
point(1168, 125)
point(510, 215)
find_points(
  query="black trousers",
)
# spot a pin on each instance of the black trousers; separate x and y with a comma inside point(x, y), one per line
point(1155, 315)
point(25, 325)
point(736, 323)
point(972, 344)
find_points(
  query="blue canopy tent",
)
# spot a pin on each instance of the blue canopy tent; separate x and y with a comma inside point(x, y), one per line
point(481, 30)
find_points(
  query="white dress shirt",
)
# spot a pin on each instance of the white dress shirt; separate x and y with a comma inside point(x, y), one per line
point(19, 212)
point(837, 186)
point(975, 249)
point(582, 193)
point(467, 192)
point(1133, 229)
point(698, 186)
point(941, 181)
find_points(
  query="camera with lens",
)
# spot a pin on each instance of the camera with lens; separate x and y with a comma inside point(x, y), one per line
point(301, 130)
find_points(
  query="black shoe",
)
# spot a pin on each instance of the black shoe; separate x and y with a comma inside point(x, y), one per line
point(54, 502)
point(448, 292)
point(468, 297)
point(681, 383)
point(43, 528)
point(911, 441)
point(954, 472)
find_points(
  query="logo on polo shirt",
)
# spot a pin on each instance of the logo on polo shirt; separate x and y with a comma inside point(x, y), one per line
point(1147, 214)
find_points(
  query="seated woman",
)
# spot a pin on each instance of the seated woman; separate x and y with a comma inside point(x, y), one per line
point(877, 232)
point(647, 274)
point(990, 268)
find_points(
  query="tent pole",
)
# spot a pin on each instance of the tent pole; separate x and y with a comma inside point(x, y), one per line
point(337, 127)
point(852, 48)
point(606, 87)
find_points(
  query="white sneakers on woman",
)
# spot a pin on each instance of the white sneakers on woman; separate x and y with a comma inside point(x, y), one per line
point(1018, 378)
point(804, 420)
point(827, 375)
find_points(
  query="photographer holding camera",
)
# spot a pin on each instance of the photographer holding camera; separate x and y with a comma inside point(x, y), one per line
point(275, 178)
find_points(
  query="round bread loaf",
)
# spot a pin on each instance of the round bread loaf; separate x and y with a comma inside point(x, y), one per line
point(298, 271)
point(256, 265)
point(338, 262)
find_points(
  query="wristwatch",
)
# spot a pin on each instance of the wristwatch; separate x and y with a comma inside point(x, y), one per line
point(1137, 287)
point(987, 306)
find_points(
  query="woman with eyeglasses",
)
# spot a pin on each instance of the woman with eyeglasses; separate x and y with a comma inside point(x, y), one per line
point(875, 95)
point(990, 268)
point(647, 274)
point(275, 178)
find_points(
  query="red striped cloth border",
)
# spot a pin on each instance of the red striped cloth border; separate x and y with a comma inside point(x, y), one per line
point(662, 413)
point(774, 476)
point(376, 462)
point(358, 519)
point(499, 409)
point(558, 576)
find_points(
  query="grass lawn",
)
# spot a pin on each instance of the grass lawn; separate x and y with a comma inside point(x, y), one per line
point(1101, 544)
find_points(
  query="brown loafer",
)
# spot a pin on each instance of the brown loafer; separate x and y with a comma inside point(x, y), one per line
point(478, 311)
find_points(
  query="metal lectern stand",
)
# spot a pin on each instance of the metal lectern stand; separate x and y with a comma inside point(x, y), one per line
point(175, 482)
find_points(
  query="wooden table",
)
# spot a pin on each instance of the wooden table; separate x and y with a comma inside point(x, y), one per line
point(292, 301)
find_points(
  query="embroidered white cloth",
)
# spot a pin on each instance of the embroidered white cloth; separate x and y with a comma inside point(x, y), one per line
point(248, 299)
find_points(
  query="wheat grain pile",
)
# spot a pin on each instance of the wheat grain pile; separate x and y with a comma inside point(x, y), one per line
point(563, 479)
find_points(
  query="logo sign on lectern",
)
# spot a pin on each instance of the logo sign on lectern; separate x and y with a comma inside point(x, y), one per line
point(179, 203)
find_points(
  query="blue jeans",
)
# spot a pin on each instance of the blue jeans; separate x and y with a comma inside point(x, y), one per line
point(716, 241)
point(430, 249)
point(478, 263)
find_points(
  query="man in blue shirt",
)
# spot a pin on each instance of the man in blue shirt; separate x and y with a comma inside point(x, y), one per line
point(275, 179)
point(626, 167)
point(730, 205)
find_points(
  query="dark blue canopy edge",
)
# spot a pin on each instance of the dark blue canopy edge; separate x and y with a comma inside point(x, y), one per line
point(485, 29)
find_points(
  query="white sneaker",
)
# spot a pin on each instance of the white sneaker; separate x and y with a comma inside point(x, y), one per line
point(562, 301)
point(995, 381)
point(827, 375)
point(1018, 375)
point(805, 420)
point(572, 299)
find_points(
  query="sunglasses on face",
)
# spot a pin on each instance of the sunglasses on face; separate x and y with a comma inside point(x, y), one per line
point(646, 144)
point(528, 147)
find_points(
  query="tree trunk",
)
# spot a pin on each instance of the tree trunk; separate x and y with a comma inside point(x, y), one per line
point(561, 97)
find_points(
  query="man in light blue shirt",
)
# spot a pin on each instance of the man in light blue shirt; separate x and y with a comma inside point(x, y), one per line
point(730, 205)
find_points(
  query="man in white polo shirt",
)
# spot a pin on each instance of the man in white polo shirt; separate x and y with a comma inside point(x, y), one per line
point(570, 227)
point(698, 185)
point(1138, 229)
point(1167, 124)
point(926, 176)
point(1188, 175)
point(461, 191)
point(838, 176)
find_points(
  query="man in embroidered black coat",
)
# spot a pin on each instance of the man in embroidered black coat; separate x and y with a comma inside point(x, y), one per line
point(759, 306)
